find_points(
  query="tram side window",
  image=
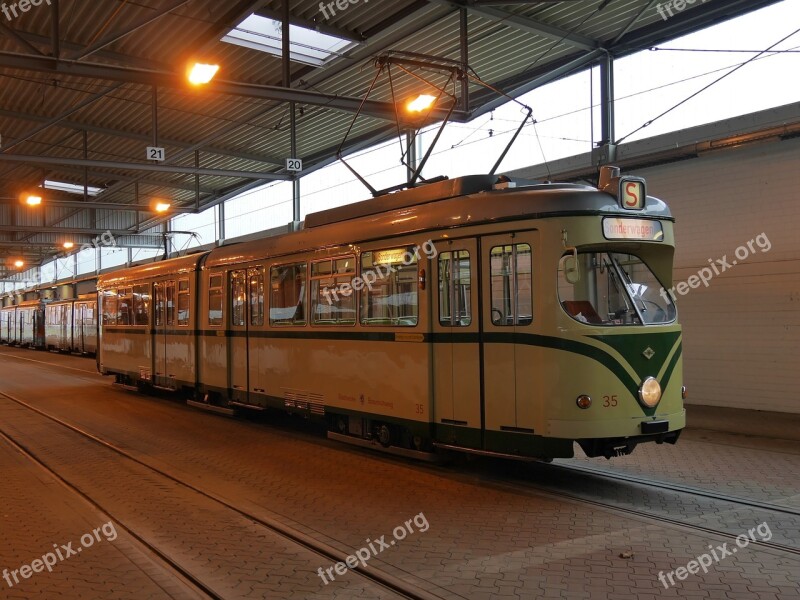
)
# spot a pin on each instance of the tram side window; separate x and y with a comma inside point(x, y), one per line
point(512, 285)
point(256, 277)
point(390, 296)
point(109, 307)
point(124, 307)
point(158, 304)
point(288, 295)
point(333, 301)
point(215, 300)
point(183, 302)
point(238, 298)
point(91, 313)
point(455, 284)
point(141, 305)
point(170, 307)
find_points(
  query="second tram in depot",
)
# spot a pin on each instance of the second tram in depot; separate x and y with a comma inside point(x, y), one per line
point(477, 314)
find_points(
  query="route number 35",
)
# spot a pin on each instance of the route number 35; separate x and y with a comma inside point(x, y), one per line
point(610, 401)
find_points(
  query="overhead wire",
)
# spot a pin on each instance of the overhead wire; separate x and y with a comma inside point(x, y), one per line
point(700, 91)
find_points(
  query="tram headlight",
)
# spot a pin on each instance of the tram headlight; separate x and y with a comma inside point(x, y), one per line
point(583, 401)
point(650, 392)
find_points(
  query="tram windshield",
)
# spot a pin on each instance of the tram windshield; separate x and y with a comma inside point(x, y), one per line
point(613, 289)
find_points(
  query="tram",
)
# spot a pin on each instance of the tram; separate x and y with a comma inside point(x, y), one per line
point(71, 325)
point(479, 314)
point(23, 324)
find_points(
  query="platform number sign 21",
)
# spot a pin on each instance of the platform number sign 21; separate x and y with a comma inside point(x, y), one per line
point(154, 153)
point(294, 165)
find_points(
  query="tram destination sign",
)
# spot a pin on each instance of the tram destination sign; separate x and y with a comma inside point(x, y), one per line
point(615, 228)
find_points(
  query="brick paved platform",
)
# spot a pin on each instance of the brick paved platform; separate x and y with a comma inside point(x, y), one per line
point(485, 539)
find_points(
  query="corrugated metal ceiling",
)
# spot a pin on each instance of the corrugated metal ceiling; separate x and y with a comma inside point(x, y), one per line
point(96, 85)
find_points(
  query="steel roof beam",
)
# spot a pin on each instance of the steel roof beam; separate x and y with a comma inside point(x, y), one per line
point(107, 41)
point(141, 137)
point(6, 30)
point(488, 101)
point(34, 229)
point(57, 119)
point(130, 166)
point(380, 110)
point(344, 34)
point(96, 205)
point(525, 24)
point(155, 242)
point(31, 38)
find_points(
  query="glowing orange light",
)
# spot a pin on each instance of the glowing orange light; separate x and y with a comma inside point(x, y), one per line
point(201, 74)
point(421, 102)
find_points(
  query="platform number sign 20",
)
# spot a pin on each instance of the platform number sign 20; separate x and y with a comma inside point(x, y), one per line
point(294, 165)
point(154, 153)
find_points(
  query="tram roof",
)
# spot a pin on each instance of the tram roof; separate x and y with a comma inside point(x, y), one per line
point(476, 200)
point(173, 266)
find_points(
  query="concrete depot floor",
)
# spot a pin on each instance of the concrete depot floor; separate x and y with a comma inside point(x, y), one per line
point(490, 533)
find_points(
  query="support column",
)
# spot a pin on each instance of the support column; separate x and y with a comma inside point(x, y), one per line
point(607, 149)
point(221, 221)
point(464, 43)
point(287, 83)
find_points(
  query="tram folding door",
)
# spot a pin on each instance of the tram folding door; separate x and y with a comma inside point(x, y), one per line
point(511, 360)
point(238, 366)
point(164, 301)
point(456, 350)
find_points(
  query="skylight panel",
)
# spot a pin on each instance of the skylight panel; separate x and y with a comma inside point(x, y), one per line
point(70, 188)
point(306, 45)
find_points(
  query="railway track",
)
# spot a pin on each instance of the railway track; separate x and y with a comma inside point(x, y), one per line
point(677, 487)
point(500, 480)
point(402, 588)
point(326, 552)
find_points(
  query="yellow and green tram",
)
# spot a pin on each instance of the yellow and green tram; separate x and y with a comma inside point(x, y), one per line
point(476, 314)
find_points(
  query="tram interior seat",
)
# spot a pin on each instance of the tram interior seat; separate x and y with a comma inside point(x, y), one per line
point(583, 308)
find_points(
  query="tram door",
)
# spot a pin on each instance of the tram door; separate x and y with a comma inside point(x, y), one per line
point(256, 350)
point(79, 329)
point(456, 352)
point(237, 341)
point(164, 301)
point(509, 318)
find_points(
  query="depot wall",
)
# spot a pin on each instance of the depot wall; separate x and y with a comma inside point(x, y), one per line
point(742, 332)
